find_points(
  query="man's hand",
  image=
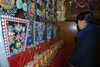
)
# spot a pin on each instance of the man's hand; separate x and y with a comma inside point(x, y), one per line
point(71, 65)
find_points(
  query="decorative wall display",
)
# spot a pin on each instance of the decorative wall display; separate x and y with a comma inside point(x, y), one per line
point(31, 9)
point(18, 36)
point(41, 11)
point(15, 32)
point(61, 10)
point(31, 12)
point(8, 7)
point(39, 34)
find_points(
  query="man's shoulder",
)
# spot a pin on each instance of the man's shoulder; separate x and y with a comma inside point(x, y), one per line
point(90, 32)
point(93, 33)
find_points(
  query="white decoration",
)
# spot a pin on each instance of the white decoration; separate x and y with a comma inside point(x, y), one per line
point(24, 6)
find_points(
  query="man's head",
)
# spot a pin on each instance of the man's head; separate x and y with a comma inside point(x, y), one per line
point(84, 19)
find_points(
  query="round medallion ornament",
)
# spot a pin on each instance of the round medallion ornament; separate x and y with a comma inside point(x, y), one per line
point(31, 10)
point(8, 7)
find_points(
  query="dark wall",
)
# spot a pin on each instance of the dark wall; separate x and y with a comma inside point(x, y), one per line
point(67, 33)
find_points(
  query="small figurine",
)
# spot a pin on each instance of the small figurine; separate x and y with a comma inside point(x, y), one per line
point(23, 29)
point(18, 27)
point(40, 33)
point(18, 38)
point(22, 37)
point(10, 34)
point(17, 49)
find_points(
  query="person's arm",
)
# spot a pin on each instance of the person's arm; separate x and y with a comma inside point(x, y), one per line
point(71, 65)
point(83, 49)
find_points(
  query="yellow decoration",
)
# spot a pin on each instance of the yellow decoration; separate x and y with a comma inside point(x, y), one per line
point(37, 65)
point(45, 58)
point(41, 62)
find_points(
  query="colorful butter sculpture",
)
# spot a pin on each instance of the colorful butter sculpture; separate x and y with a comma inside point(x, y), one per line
point(30, 13)
point(61, 9)
point(39, 32)
point(15, 32)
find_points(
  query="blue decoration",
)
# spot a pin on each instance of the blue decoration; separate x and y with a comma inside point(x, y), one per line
point(29, 40)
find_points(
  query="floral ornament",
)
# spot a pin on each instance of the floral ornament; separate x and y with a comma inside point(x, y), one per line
point(18, 27)
point(31, 9)
point(30, 14)
point(19, 4)
point(24, 6)
point(17, 49)
point(18, 37)
point(8, 7)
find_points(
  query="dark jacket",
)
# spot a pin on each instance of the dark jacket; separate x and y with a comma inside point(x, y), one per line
point(84, 55)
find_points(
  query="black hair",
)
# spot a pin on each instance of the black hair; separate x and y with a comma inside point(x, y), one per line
point(87, 16)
